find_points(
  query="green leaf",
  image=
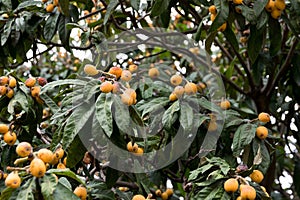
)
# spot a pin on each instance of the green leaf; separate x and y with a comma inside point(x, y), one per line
point(259, 6)
point(223, 13)
point(168, 117)
point(152, 105)
point(26, 4)
point(195, 173)
point(296, 176)
point(62, 193)
point(7, 4)
point(248, 13)
point(275, 36)
point(20, 24)
point(209, 41)
point(74, 25)
point(51, 85)
point(159, 7)
point(64, 5)
point(135, 4)
point(63, 32)
point(76, 152)
point(233, 122)
point(264, 153)
point(49, 102)
point(204, 103)
point(18, 102)
point(242, 137)
point(262, 20)
point(212, 192)
point(121, 114)
point(104, 114)
point(90, 89)
point(255, 42)
point(48, 185)
point(231, 38)
point(67, 173)
point(64, 181)
point(113, 177)
point(26, 192)
point(186, 116)
point(51, 26)
point(6, 193)
point(111, 6)
point(7, 30)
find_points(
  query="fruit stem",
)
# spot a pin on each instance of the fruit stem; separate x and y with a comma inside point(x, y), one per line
point(8, 168)
point(20, 160)
point(253, 120)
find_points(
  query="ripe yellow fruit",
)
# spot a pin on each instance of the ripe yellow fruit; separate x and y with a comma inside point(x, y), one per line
point(223, 27)
point(3, 90)
point(4, 128)
point(65, 161)
point(212, 9)
point(123, 189)
point(37, 168)
point(261, 132)
point(61, 166)
point(116, 88)
point(35, 91)
point(59, 153)
point(153, 72)
point(279, 4)
point(30, 82)
point(172, 97)
point(169, 191)
point(138, 197)
point(132, 68)
point(264, 117)
point(248, 192)
point(238, 10)
point(158, 192)
point(132, 147)
point(45, 155)
point(13, 180)
point(12, 82)
point(106, 87)
point(164, 196)
point(190, 88)
point(81, 192)
point(225, 105)
point(126, 75)
point(54, 160)
point(90, 70)
point(117, 71)
point(55, 2)
point(10, 93)
point(179, 91)
point(275, 13)
point(213, 17)
point(176, 80)
point(139, 152)
point(270, 6)
point(24, 149)
point(231, 185)
point(10, 138)
point(256, 176)
point(237, 1)
point(212, 126)
point(4, 80)
point(50, 8)
point(129, 97)
point(5, 16)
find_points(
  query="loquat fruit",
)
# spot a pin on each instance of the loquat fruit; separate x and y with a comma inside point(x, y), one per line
point(238, 1)
point(169, 191)
point(158, 192)
point(248, 192)
point(190, 88)
point(13, 180)
point(176, 80)
point(4, 128)
point(256, 176)
point(212, 9)
point(24, 149)
point(279, 4)
point(238, 10)
point(179, 91)
point(42, 81)
point(55, 2)
point(5, 16)
point(275, 13)
point(54, 160)
point(37, 168)
point(59, 153)
point(139, 152)
point(264, 117)
point(12, 82)
point(65, 161)
point(239, 198)
point(132, 67)
point(116, 88)
point(45, 155)
point(153, 72)
point(172, 97)
point(90, 70)
point(117, 71)
point(30, 82)
point(212, 126)
point(35, 91)
point(4, 80)
point(10, 138)
point(132, 147)
point(231, 185)
point(138, 197)
point(10, 93)
point(61, 166)
point(106, 87)
point(129, 97)
point(225, 105)
point(81, 192)
point(270, 6)
point(164, 196)
point(3, 90)
point(50, 8)
point(222, 27)
point(262, 132)
point(213, 17)
point(126, 75)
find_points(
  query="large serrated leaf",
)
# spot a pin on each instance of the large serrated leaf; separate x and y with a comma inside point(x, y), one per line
point(26, 192)
point(26, 4)
point(62, 193)
point(54, 84)
point(275, 36)
point(121, 114)
point(48, 184)
point(112, 4)
point(153, 105)
point(50, 26)
point(63, 32)
point(159, 7)
point(49, 102)
point(231, 37)
point(242, 137)
point(64, 5)
point(76, 152)
point(17, 102)
point(186, 117)
point(255, 42)
point(7, 30)
point(104, 113)
point(67, 173)
point(168, 117)
point(259, 6)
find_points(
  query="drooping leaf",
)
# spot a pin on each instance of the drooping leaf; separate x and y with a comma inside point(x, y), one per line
point(67, 173)
point(242, 137)
point(26, 4)
point(186, 116)
point(63, 32)
point(48, 184)
point(64, 5)
point(209, 41)
point(168, 117)
point(7, 30)
point(255, 42)
point(275, 36)
point(104, 112)
point(264, 154)
point(61, 192)
point(26, 192)
point(50, 27)
point(18, 102)
point(159, 7)
point(121, 114)
point(76, 152)
point(112, 4)
point(259, 6)
point(51, 85)
point(223, 13)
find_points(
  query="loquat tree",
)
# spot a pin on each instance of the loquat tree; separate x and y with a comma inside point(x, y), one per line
point(142, 99)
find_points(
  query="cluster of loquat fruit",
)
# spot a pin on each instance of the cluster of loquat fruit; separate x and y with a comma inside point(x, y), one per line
point(114, 81)
point(275, 8)
point(213, 14)
point(158, 193)
point(7, 85)
point(95, 16)
point(34, 84)
point(135, 149)
point(50, 6)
